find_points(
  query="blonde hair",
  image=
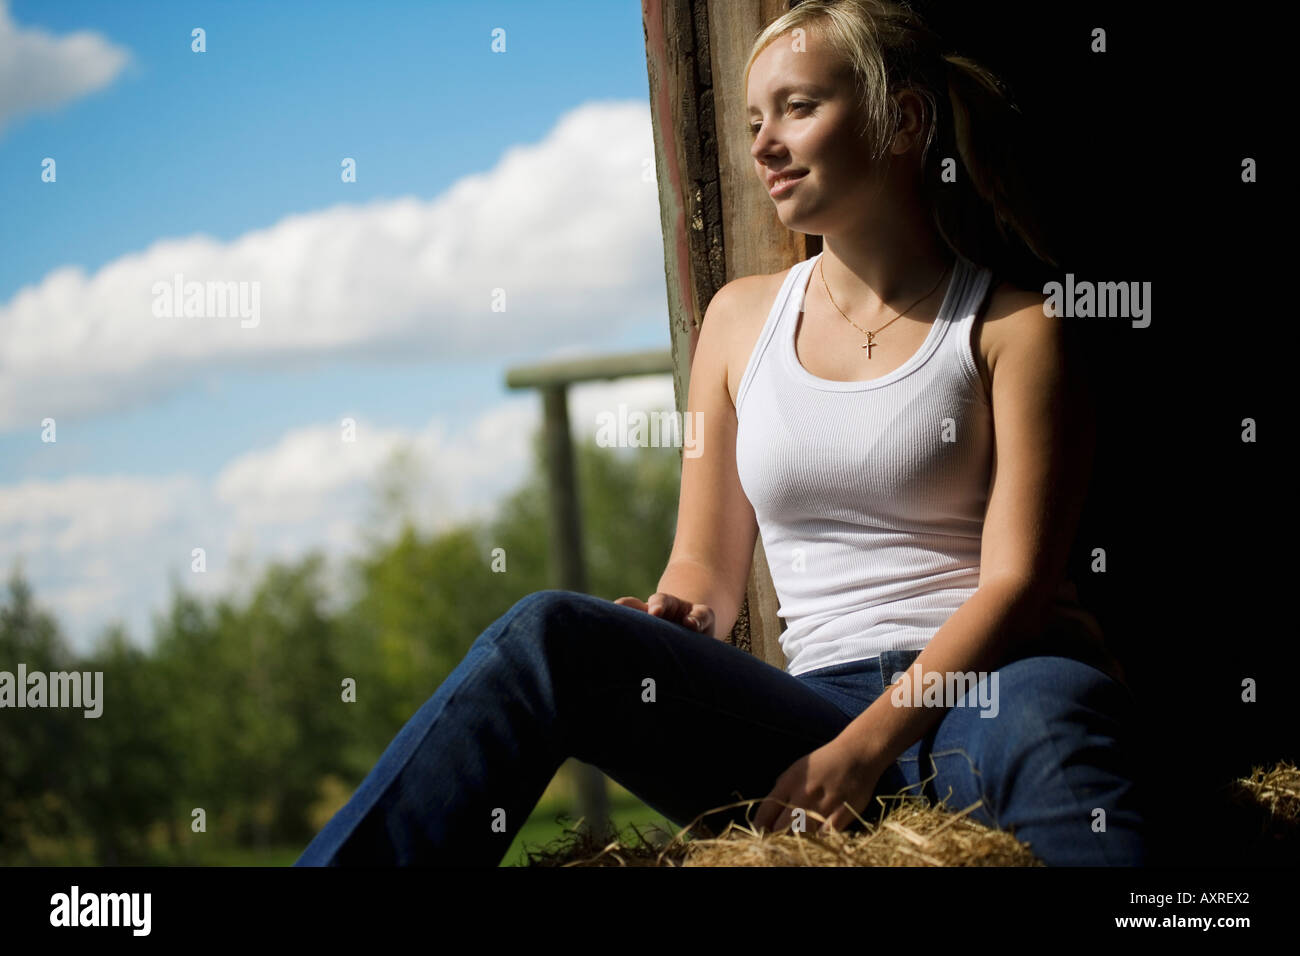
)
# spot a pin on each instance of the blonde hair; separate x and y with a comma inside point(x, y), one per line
point(968, 114)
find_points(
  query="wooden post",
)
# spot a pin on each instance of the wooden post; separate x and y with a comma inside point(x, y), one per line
point(718, 222)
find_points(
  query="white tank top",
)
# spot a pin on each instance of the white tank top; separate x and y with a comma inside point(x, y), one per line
point(869, 496)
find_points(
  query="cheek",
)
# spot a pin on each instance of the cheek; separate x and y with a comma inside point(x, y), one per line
point(849, 168)
point(835, 154)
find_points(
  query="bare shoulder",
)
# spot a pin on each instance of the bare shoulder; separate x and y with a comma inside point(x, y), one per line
point(1010, 314)
point(743, 305)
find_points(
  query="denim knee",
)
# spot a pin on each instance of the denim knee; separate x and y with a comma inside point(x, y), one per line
point(548, 600)
point(528, 626)
point(1059, 688)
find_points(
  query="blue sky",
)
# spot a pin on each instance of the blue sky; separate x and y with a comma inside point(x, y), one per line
point(479, 173)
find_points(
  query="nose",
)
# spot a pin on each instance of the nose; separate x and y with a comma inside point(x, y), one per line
point(766, 149)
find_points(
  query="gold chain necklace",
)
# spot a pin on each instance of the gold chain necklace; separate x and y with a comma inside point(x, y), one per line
point(871, 335)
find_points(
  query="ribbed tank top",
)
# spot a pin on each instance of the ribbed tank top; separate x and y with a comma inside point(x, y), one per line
point(869, 496)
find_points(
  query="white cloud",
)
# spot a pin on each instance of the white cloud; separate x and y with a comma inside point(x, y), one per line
point(92, 547)
point(39, 71)
point(100, 549)
point(567, 227)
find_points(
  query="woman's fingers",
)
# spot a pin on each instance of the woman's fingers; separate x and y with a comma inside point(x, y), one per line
point(668, 606)
point(701, 618)
point(698, 617)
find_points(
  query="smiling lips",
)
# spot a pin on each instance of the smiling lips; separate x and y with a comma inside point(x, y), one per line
point(783, 182)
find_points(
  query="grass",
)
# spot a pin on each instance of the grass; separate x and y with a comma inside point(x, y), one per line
point(542, 827)
point(247, 856)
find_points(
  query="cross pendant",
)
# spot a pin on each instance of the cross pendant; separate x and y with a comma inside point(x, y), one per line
point(870, 345)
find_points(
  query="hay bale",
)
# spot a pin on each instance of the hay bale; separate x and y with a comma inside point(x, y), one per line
point(910, 832)
point(1262, 812)
point(1271, 797)
point(1261, 817)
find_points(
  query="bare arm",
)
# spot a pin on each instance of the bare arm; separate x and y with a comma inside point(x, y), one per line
point(716, 528)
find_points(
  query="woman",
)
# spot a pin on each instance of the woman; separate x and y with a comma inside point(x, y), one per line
point(917, 497)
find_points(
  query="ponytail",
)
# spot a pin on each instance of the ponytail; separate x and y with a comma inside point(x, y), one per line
point(987, 132)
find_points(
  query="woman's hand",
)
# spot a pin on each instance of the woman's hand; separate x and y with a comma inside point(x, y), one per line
point(698, 617)
point(823, 782)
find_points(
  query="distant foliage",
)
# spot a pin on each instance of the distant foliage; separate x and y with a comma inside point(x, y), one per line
point(237, 707)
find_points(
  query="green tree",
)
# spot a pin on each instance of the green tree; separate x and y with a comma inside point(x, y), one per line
point(237, 706)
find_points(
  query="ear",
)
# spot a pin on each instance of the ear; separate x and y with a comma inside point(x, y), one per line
point(910, 121)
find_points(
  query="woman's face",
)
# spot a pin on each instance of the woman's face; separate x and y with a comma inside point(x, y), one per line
point(802, 117)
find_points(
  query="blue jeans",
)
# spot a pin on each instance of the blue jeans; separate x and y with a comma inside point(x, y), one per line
point(689, 723)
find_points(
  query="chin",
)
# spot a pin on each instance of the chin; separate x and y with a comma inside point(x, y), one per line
point(796, 222)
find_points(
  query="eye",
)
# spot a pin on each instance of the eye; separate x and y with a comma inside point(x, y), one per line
point(752, 128)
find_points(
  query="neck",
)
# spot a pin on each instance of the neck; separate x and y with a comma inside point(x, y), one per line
point(878, 271)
